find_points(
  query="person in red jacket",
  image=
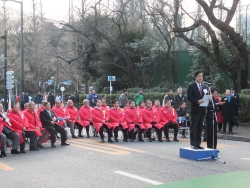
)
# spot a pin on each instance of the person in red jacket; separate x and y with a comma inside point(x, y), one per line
point(168, 118)
point(41, 108)
point(134, 120)
point(100, 121)
point(219, 114)
point(157, 106)
point(117, 119)
point(151, 119)
point(85, 117)
point(73, 115)
point(141, 106)
point(34, 123)
point(20, 123)
point(105, 106)
point(61, 112)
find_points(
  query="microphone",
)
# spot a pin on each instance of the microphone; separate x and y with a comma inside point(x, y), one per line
point(206, 83)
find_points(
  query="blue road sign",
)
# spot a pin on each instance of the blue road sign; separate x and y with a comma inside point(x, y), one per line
point(111, 78)
point(49, 82)
point(68, 82)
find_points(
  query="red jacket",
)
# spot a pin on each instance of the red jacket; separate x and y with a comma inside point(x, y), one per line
point(218, 113)
point(41, 108)
point(117, 117)
point(133, 117)
point(167, 115)
point(33, 119)
point(156, 109)
point(85, 115)
point(60, 112)
point(73, 113)
point(98, 115)
point(149, 116)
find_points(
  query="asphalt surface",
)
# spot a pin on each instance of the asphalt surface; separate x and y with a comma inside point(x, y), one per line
point(89, 163)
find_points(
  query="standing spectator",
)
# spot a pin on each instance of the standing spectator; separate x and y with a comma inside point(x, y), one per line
point(104, 97)
point(38, 99)
point(76, 99)
point(47, 95)
point(30, 98)
point(123, 98)
point(179, 98)
point(66, 96)
point(58, 97)
point(236, 96)
point(169, 96)
point(229, 110)
point(139, 97)
point(92, 97)
point(219, 114)
point(51, 100)
point(24, 99)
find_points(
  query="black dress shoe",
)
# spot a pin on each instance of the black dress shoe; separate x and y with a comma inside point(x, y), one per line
point(199, 147)
point(231, 132)
point(141, 140)
point(110, 140)
point(88, 136)
point(176, 140)
point(15, 151)
point(102, 140)
point(53, 145)
point(223, 132)
point(1, 156)
point(80, 136)
point(3, 153)
point(160, 140)
point(194, 147)
point(34, 148)
point(40, 146)
point(167, 140)
point(65, 144)
point(125, 140)
point(116, 140)
point(74, 136)
point(23, 151)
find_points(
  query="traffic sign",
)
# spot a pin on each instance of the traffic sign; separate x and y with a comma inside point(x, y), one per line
point(62, 88)
point(111, 78)
point(9, 82)
point(68, 82)
point(49, 82)
point(9, 77)
point(9, 86)
point(9, 73)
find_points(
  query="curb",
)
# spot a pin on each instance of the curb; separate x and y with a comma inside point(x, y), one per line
point(233, 137)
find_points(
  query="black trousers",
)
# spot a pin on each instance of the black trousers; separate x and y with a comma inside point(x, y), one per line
point(173, 126)
point(140, 131)
point(125, 132)
point(131, 134)
point(53, 131)
point(230, 121)
point(196, 128)
point(32, 136)
point(158, 132)
point(219, 126)
point(210, 134)
point(109, 131)
point(148, 133)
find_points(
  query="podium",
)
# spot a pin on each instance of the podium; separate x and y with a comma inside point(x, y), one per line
point(192, 154)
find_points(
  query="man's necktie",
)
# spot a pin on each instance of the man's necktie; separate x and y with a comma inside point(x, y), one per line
point(200, 88)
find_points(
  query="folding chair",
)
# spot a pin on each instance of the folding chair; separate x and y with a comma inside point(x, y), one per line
point(183, 125)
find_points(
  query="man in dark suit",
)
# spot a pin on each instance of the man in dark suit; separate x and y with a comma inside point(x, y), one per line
point(24, 99)
point(237, 97)
point(229, 110)
point(49, 122)
point(169, 96)
point(195, 93)
point(179, 98)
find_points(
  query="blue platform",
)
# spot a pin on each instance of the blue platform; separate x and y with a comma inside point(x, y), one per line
point(196, 155)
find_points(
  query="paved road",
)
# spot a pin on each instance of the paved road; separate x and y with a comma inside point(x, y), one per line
point(88, 163)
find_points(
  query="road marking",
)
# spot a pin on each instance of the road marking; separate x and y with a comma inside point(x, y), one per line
point(138, 178)
point(246, 159)
point(5, 167)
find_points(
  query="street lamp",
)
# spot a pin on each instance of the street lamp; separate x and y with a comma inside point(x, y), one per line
point(21, 48)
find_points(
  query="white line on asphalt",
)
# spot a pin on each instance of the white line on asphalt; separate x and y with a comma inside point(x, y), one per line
point(246, 159)
point(138, 178)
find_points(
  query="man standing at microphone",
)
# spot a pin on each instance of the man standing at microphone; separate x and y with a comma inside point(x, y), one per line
point(195, 93)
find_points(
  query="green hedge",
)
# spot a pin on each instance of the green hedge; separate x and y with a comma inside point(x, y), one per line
point(244, 114)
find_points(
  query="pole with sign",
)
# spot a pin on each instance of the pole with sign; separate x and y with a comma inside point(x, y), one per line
point(62, 90)
point(111, 79)
point(9, 87)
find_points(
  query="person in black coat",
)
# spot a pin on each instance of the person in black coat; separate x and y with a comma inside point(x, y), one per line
point(51, 100)
point(24, 99)
point(237, 97)
point(229, 110)
point(49, 122)
point(179, 98)
point(76, 99)
point(169, 96)
point(182, 112)
point(195, 93)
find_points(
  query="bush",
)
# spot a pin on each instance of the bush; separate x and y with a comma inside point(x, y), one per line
point(244, 114)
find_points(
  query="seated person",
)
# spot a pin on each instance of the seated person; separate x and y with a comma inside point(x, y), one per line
point(26, 106)
point(182, 112)
point(20, 123)
point(35, 123)
point(104, 105)
point(85, 117)
point(117, 119)
point(141, 106)
point(41, 108)
point(61, 112)
point(134, 120)
point(157, 106)
point(100, 121)
point(73, 115)
point(7, 131)
point(168, 118)
point(150, 119)
point(127, 106)
point(50, 123)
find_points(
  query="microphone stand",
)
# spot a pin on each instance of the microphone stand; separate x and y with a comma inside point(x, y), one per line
point(214, 119)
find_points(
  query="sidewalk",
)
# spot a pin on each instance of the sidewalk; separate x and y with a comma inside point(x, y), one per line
point(241, 134)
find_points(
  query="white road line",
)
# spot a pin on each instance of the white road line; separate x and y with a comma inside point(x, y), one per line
point(246, 159)
point(138, 178)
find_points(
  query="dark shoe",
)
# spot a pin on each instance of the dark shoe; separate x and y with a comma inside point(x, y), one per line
point(149, 140)
point(176, 140)
point(102, 140)
point(88, 136)
point(132, 140)
point(116, 140)
point(40, 146)
point(223, 132)
point(153, 139)
point(141, 140)
point(23, 151)
point(160, 140)
point(125, 140)
point(65, 144)
point(194, 147)
point(53, 145)
point(183, 136)
point(15, 151)
point(204, 139)
point(80, 136)
point(3, 153)
point(34, 148)
point(167, 140)
point(231, 132)
point(74, 136)
point(199, 147)
point(110, 140)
